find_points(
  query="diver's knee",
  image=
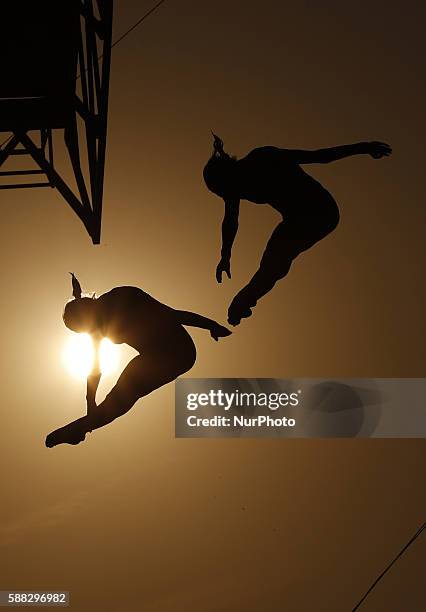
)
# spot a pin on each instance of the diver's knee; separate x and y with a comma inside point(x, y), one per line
point(270, 274)
point(185, 365)
point(178, 365)
point(333, 222)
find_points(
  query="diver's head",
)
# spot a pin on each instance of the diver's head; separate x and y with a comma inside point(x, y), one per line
point(219, 172)
point(81, 313)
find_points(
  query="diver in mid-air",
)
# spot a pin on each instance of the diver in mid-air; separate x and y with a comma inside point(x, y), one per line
point(269, 175)
point(129, 315)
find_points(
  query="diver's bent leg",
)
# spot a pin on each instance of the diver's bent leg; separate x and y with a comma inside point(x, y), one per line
point(261, 283)
point(140, 377)
point(288, 240)
point(276, 261)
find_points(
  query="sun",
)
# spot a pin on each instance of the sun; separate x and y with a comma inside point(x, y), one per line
point(79, 355)
point(109, 356)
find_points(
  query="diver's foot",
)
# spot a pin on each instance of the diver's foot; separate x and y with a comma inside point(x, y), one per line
point(73, 433)
point(238, 310)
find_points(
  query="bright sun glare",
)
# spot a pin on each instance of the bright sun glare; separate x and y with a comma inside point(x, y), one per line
point(79, 355)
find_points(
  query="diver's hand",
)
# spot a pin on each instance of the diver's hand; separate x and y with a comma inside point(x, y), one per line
point(219, 331)
point(378, 149)
point(223, 266)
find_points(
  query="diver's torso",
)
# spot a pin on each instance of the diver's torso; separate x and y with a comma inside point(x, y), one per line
point(267, 177)
point(133, 317)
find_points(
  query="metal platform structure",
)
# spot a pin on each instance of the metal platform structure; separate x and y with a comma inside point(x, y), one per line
point(54, 83)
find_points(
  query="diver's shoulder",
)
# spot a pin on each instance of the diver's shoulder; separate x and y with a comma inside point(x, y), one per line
point(265, 152)
point(125, 291)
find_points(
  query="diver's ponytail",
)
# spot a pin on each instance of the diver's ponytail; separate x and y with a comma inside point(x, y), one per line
point(218, 171)
point(76, 287)
point(218, 147)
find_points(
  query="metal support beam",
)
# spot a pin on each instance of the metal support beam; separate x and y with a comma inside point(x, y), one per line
point(89, 107)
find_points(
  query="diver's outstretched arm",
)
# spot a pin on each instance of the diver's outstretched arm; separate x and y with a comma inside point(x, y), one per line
point(325, 156)
point(93, 378)
point(192, 319)
point(229, 231)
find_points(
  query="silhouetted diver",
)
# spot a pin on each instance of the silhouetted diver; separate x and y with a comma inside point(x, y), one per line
point(129, 315)
point(269, 175)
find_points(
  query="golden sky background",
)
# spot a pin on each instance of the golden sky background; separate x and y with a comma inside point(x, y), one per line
point(133, 519)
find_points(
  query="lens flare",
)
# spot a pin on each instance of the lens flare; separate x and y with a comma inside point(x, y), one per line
point(79, 356)
point(109, 356)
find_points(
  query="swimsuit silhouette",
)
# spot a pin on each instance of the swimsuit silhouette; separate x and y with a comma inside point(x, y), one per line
point(269, 175)
point(129, 315)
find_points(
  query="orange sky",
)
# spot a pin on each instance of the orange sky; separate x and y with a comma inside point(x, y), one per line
point(133, 519)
